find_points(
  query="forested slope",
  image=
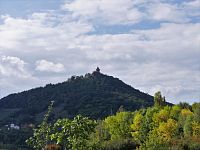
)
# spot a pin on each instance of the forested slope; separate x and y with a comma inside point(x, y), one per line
point(95, 95)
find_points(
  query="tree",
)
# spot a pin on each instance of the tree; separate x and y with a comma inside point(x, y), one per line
point(154, 142)
point(162, 116)
point(175, 112)
point(61, 131)
point(159, 100)
point(188, 126)
point(149, 116)
point(185, 105)
point(41, 135)
point(73, 134)
point(167, 130)
point(182, 119)
point(196, 110)
point(186, 112)
point(137, 122)
point(119, 126)
point(100, 135)
point(196, 129)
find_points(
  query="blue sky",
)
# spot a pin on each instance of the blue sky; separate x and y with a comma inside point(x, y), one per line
point(23, 8)
point(152, 45)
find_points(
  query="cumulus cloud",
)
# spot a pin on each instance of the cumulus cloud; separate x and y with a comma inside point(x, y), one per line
point(104, 11)
point(131, 11)
point(13, 67)
point(166, 12)
point(37, 32)
point(166, 57)
point(44, 65)
point(14, 75)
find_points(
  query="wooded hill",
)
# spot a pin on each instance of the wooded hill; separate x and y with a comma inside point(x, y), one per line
point(95, 95)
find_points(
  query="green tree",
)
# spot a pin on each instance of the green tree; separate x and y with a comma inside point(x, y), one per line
point(61, 131)
point(184, 105)
point(175, 112)
point(159, 100)
point(136, 126)
point(162, 116)
point(119, 125)
point(196, 129)
point(188, 126)
point(167, 130)
point(41, 135)
point(100, 135)
point(149, 116)
point(196, 110)
point(73, 134)
point(154, 142)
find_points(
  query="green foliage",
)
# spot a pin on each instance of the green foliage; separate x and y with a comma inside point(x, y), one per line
point(175, 112)
point(166, 127)
point(119, 125)
point(60, 131)
point(93, 95)
point(97, 95)
point(196, 129)
point(159, 100)
point(154, 142)
point(73, 134)
point(41, 135)
point(184, 105)
point(99, 136)
point(188, 126)
point(161, 116)
point(149, 116)
point(13, 139)
point(136, 126)
point(155, 128)
point(185, 143)
point(166, 131)
point(196, 110)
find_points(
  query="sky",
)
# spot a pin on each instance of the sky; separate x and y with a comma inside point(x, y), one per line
point(152, 45)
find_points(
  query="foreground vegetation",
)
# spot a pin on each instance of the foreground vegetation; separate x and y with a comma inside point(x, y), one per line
point(158, 127)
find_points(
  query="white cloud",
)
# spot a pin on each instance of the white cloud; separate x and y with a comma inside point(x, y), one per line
point(38, 33)
point(112, 12)
point(12, 67)
point(47, 66)
point(192, 8)
point(105, 11)
point(166, 12)
point(165, 58)
point(192, 4)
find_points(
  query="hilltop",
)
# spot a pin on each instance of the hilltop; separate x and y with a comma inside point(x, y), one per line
point(95, 95)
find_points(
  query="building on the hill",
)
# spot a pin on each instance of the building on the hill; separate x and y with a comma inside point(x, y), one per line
point(97, 71)
point(12, 126)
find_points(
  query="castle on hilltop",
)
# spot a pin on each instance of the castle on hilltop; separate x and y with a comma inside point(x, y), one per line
point(97, 71)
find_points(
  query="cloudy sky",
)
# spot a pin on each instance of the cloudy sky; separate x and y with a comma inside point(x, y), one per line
point(149, 44)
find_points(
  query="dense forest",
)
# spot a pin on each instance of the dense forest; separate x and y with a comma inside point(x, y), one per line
point(161, 127)
point(96, 112)
point(94, 95)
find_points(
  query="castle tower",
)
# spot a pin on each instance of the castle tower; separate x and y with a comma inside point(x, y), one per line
point(97, 70)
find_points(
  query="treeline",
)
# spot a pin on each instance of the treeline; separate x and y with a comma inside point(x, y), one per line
point(155, 128)
point(14, 139)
